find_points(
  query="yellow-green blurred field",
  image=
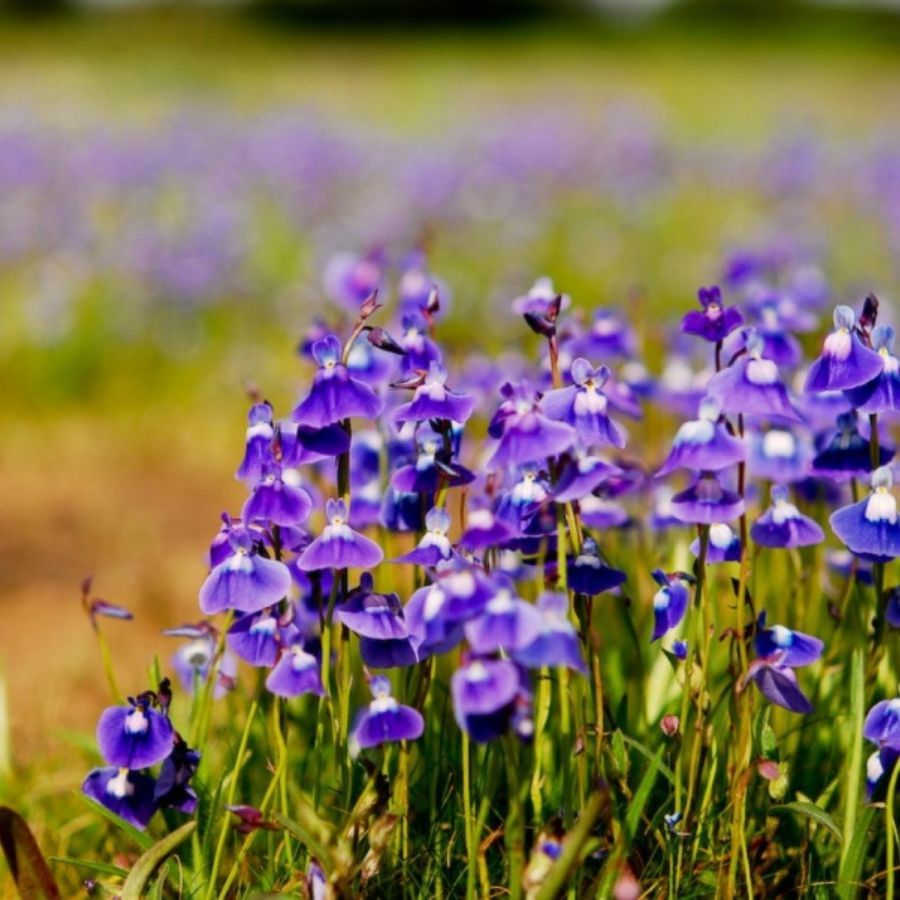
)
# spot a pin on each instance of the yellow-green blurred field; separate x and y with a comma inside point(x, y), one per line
point(117, 460)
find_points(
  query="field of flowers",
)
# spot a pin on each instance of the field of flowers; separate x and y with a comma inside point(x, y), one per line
point(447, 466)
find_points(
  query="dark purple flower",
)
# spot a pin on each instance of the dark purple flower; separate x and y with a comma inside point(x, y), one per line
point(135, 736)
point(339, 546)
point(433, 467)
point(276, 499)
point(484, 693)
point(715, 321)
point(434, 400)
point(244, 581)
point(704, 444)
point(848, 454)
point(584, 406)
point(706, 502)
point(751, 386)
point(724, 545)
point(670, 602)
point(783, 525)
point(335, 395)
point(384, 719)
point(779, 685)
point(588, 573)
point(680, 650)
point(870, 528)
point(845, 362)
point(172, 789)
point(434, 548)
point(127, 794)
point(882, 393)
point(297, 672)
point(370, 614)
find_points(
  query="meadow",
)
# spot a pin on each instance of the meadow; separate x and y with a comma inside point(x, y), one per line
point(190, 204)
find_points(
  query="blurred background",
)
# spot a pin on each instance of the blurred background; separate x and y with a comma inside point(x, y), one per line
point(175, 178)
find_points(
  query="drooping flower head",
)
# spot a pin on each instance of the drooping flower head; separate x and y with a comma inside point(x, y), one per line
point(298, 671)
point(335, 395)
point(584, 406)
point(707, 502)
point(783, 525)
point(588, 573)
point(339, 546)
point(847, 454)
point(870, 528)
point(845, 362)
point(256, 638)
point(670, 602)
point(715, 321)
point(704, 444)
point(484, 694)
point(882, 393)
point(384, 719)
point(130, 795)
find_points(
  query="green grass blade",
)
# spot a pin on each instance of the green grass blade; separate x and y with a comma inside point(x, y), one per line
point(144, 841)
point(639, 800)
point(101, 868)
point(811, 811)
point(136, 882)
point(855, 752)
point(852, 864)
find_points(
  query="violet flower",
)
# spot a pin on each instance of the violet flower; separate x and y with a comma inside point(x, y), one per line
point(255, 638)
point(848, 454)
point(434, 548)
point(258, 444)
point(751, 386)
point(483, 530)
point(135, 736)
point(670, 602)
point(882, 393)
point(557, 644)
point(434, 400)
point(783, 525)
point(588, 573)
point(580, 476)
point(172, 789)
point(384, 719)
point(882, 724)
point(335, 395)
point(845, 362)
point(538, 299)
point(704, 443)
point(130, 795)
point(707, 502)
point(583, 405)
point(778, 455)
point(715, 321)
point(507, 623)
point(277, 499)
point(339, 546)
point(484, 694)
point(297, 672)
point(244, 581)
point(870, 528)
point(724, 545)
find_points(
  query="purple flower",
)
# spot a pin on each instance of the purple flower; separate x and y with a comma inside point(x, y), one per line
point(751, 386)
point(255, 638)
point(783, 525)
point(538, 299)
point(848, 454)
point(370, 614)
point(879, 767)
point(507, 623)
point(870, 528)
point(350, 279)
point(421, 351)
point(127, 794)
point(704, 443)
point(244, 581)
point(434, 548)
point(339, 546)
point(724, 545)
point(609, 335)
point(882, 724)
point(172, 789)
point(583, 405)
point(715, 321)
point(335, 395)
point(557, 643)
point(484, 529)
point(192, 662)
point(882, 393)
point(276, 500)
point(484, 694)
point(258, 448)
point(779, 685)
point(384, 719)
point(434, 466)
point(587, 573)
point(434, 400)
point(135, 736)
point(793, 648)
point(670, 602)
point(706, 502)
point(601, 513)
point(778, 455)
point(528, 436)
point(297, 672)
point(845, 362)
point(580, 476)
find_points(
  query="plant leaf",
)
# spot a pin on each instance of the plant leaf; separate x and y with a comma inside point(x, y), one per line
point(852, 863)
point(101, 868)
point(140, 873)
point(144, 841)
point(26, 863)
point(810, 810)
point(641, 795)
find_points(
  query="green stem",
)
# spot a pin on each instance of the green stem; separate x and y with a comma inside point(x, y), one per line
point(890, 830)
point(468, 821)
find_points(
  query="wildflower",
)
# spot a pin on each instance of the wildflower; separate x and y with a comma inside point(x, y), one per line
point(276, 499)
point(339, 546)
point(751, 386)
point(484, 693)
point(704, 443)
point(335, 395)
point(778, 455)
point(484, 529)
point(882, 393)
point(715, 321)
point(130, 795)
point(878, 769)
point(134, 736)
point(434, 400)
point(601, 513)
point(680, 650)
point(384, 719)
point(255, 638)
point(244, 580)
point(609, 335)
point(507, 623)
point(581, 476)
point(434, 547)
point(588, 573)
point(882, 724)
point(557, 643)
point(538, 299)
point(670, 602)
point(258, 446)
point(707, 502)
point(583, 405)
point(434, 466)
point(845, 362)
point(297, 672)
point(847, 453)
point(172, 789)
point(783, 525)
point(419, 350)
point(350, 278)
point(370, 614)
point(870, 528)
